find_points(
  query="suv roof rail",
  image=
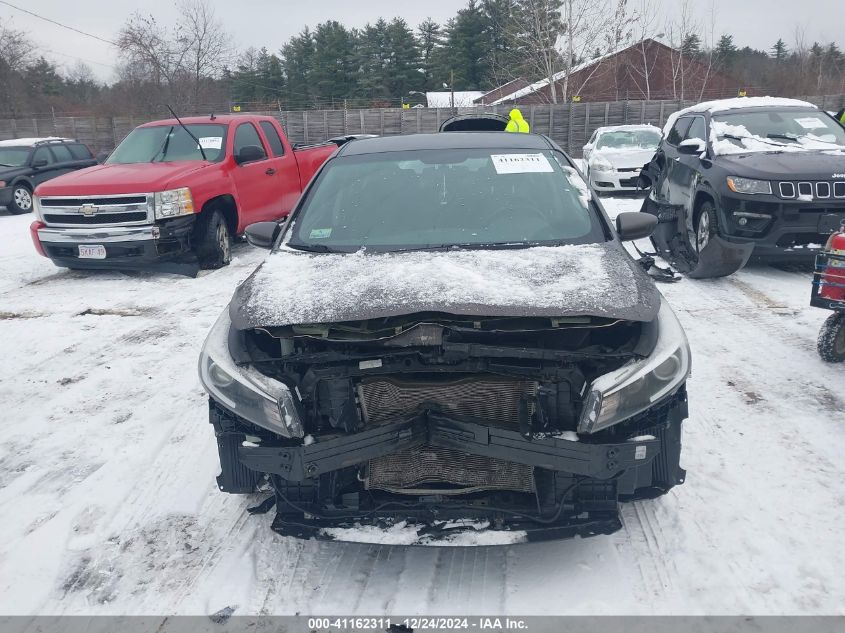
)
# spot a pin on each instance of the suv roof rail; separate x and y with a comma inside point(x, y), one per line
point(47, 141)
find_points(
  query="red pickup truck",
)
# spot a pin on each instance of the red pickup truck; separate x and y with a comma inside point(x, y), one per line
point(173, 194)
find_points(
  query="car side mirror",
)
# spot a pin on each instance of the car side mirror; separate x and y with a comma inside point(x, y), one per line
point(38, 164)
point(588, 148)
point(102, 157)
point(263, 234)
point(691, 146)
point(635, 225)
point(249, 154)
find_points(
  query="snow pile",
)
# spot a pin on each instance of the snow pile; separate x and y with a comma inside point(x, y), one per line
point(749, 142)
point(594, 279)
point(732, 104)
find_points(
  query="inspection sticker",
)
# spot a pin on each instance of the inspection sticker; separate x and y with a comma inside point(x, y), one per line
point(811, 123)
point(211, 142)
point(320, 234)
point(521, 163)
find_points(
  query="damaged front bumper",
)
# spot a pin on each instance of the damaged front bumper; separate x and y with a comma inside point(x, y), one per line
point(577, 484)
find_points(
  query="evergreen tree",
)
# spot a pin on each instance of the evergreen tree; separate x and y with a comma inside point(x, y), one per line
point(725, 52)
point(331, 65)
point(42, 78)
point(467, 47)
point(297, 62)
point(780, 51)
point(402, 65)
point(499, 32)
point(691, 46)
point(371, 60)
point(269, 76)
point(430, 45)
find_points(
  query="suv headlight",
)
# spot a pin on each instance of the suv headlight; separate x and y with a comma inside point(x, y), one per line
point(638, 385)
point(747, 185)
point(601, 164)
point(173, 202)
point(243, 390)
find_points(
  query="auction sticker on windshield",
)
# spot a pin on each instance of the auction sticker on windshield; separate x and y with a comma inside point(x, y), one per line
point(811, 123)
point(521, 163)
point(211, 142)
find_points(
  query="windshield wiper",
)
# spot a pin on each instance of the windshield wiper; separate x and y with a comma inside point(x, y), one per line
point(311, 248)
point(163, 149)
point(737, 137)
point(185, 127)
point(795, 137)
point(5, 165)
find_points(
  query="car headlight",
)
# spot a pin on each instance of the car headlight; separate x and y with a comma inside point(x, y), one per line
point(601, 164)
point(747, 185)
point(638, 385)
point(173, 202)
point(243, 390)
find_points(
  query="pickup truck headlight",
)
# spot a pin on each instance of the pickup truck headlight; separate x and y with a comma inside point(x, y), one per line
point(601, 164)
point(243, 390)
point(638, 385)
point(747, 185)
point(173, 202)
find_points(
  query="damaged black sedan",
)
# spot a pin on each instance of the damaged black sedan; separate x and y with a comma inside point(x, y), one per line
point(448, 331)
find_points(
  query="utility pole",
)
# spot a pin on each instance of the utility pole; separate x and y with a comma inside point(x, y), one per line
point(452, 88)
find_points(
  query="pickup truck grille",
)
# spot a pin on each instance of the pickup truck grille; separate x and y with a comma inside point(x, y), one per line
point(97, 211)
point(484, 398)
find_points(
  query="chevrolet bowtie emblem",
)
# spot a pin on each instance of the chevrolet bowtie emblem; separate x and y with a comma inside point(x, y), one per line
point(88, 210)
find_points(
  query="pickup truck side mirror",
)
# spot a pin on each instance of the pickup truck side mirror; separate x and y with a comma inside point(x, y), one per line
point(38, 164)
point(101, 157)
point(249, 154)
point(691, 146)
point(263, 234)
point(635, 225)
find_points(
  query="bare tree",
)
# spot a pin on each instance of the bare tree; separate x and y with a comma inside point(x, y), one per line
point(645, 28)
point(709, 47)
point(206, 45)
point(536, 28)
point(15, 51)
point(585, 24)
point(678, 32)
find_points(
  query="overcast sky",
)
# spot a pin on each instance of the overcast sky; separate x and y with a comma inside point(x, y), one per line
point(270, 23)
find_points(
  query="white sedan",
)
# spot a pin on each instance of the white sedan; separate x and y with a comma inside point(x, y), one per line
point(615, 155)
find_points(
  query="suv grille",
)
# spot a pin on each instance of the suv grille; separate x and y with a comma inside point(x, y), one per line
point(487, 398)
point(821, 190)
point(96, 210)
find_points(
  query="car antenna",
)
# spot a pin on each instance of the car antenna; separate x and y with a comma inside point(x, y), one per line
point(213, 118)
point(184, 127)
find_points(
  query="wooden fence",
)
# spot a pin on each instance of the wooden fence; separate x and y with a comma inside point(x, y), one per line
point(570, 125)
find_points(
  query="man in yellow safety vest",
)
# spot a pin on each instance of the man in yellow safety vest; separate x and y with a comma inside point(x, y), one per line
point(517, 123)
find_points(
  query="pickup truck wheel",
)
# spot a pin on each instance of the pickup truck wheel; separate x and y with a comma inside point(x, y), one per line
point(21, 199)
point(832, 339)
point(213, 243)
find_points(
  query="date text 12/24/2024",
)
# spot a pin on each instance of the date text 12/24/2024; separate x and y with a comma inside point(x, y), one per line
point(342, 624)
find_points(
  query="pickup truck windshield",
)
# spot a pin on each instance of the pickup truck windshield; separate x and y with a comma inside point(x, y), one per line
point(774, 130)
point(13, 156)
point(165, 143)
point(446, 198)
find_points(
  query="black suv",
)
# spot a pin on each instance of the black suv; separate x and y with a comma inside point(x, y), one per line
point(742, 178)
point(27, 162)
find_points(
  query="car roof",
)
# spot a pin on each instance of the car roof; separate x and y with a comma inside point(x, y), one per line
point(218, 118)
point(32, 142)
point(445, 140)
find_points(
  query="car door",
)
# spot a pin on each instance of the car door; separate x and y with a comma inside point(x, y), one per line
point(253, 178)
point(687, 167)
point(43, 165)
point(668, 154)
point(284, 187)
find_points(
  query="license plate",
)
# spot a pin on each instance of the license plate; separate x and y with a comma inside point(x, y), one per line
point(94, 251)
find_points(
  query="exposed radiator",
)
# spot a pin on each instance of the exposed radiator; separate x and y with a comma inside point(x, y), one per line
point(434, 470)
point(480, 397)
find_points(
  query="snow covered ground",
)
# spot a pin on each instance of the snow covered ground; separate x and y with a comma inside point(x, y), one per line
point(107, 466)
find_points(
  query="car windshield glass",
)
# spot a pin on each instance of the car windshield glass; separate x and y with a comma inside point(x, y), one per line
point(775, 130)
point(13, 156)
point(629, 139)
point(446, 198)
point(164, 143)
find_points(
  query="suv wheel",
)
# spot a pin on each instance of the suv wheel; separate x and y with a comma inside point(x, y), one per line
point(212, 240)
point(832, 339)
point(21, 199)
point(706, 227)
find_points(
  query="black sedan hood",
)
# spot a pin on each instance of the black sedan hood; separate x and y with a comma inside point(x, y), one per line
point(293, 287)
point(795, 165)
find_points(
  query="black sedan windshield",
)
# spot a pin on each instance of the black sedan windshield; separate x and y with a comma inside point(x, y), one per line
point(446, 198)
point(163, 143)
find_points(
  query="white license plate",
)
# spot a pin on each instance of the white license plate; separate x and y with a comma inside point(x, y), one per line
point(94, 251)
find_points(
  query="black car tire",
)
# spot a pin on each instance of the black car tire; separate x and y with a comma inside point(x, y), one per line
point(21, 199)
point(831, 341)
point(212, 240)
point(706, 226)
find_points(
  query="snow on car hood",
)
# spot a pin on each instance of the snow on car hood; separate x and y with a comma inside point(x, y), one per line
point(625, 157)
point(292, 287)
